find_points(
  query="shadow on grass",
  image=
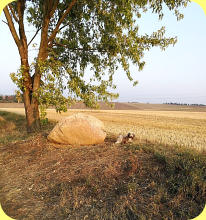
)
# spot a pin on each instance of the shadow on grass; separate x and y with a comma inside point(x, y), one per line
point(183, 187)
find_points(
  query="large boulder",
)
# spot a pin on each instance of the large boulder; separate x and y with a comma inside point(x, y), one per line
point(78, 129)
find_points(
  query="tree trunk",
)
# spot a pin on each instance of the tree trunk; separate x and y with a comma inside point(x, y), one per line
point(30, 102)
point(32, 116)
point(29, 85)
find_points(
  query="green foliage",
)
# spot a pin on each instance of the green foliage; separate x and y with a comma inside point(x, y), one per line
point(18, 96)
point(96, 37)
point(18, 78)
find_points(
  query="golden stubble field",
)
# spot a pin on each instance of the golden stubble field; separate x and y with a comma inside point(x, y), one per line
point(181, 128)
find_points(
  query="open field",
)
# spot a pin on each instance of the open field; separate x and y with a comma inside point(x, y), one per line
point(127, 106)
point(142, 180)
point(177, 128)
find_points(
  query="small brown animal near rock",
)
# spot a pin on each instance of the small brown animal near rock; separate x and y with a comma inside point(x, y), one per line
point(125, 139)
point(78, 129)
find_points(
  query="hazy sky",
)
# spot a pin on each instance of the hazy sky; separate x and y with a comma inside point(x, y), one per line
point(175, 75)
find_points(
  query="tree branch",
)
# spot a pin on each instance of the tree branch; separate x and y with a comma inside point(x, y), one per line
point(82, 49)
point(11, 27)
point(55, 31)
point(5, 22)
point(13, 13)
point(34, 36)
point(49, 8)
point(20, 11)
point(65, 26)
point(55, 4)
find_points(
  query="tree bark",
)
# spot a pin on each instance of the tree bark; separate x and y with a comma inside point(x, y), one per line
point(30, 102)
point(32, 115)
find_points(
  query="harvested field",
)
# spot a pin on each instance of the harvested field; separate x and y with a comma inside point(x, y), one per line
point(126, 106)
point(174, 128)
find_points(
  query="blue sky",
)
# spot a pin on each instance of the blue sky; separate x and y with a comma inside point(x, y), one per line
point(175, 75)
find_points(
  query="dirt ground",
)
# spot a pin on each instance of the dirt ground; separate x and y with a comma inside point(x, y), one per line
point(40, 180)
point(65, 179)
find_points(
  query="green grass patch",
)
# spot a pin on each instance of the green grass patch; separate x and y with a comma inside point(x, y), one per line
point(13, 127)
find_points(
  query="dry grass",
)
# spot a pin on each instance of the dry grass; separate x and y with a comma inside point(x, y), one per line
point(143, 180)
point(172, 128)
point(179, 128)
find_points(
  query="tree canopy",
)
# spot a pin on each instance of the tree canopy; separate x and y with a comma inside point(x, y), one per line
point(77, 37)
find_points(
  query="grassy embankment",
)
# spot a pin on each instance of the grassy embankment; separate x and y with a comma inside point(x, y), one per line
point(143, 180)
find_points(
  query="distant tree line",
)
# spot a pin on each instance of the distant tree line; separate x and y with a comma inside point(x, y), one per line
point(10, 99)
point(185, 104)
